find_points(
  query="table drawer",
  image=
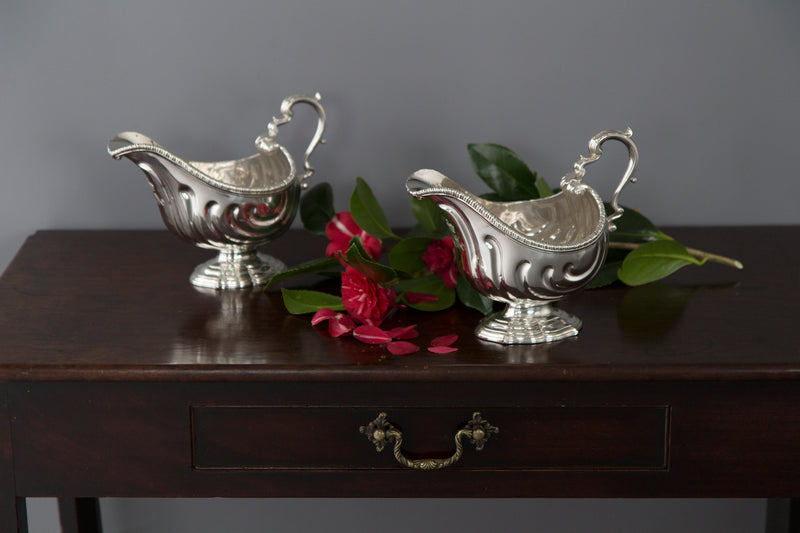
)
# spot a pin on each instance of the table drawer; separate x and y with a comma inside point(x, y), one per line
point(299, 440)
point(529, 438)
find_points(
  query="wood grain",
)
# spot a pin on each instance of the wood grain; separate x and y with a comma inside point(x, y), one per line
point(118, 306)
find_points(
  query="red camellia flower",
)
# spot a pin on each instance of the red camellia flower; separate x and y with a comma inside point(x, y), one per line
point(439, 258)
point(341, 229)
point(364, 299)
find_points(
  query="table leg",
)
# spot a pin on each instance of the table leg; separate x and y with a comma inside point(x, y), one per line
point(80, 515)
point(13, 515)
point(783, 515)
point(794, 516)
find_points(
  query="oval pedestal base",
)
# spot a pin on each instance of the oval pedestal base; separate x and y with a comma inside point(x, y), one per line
point(236, 270)
point(528, 322)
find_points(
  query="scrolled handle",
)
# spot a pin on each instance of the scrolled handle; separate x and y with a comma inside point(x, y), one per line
point(381, 432)
point(575, 177)
point(267, 141)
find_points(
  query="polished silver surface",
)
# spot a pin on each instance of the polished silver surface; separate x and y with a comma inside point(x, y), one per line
point(531, 253)
point(229, 206)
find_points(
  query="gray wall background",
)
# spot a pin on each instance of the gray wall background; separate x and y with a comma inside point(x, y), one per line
point(710, 89)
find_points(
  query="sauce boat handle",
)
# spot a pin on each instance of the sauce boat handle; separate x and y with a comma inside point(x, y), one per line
point(268, 140)
point(595, 151)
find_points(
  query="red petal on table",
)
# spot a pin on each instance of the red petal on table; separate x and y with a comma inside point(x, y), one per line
point(340, 325)
point(420, 297)
point(371, 335)
point(442, 349)
point(406, 332)
point(322, 315)
point(402, 348)
point(444, 340)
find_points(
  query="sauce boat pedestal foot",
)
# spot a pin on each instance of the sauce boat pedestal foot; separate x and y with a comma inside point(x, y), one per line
point(236, 269)
point(528, 322)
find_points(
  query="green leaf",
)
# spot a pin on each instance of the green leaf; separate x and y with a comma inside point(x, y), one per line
point(633, 226)
point(316, 208)
point(608, 272)
point(430, 284)
point(367, 212)
point(606, 275)
point(417, 231)
point(429, 216)
point(503, 171)
point(542, 187)
point(491, 196)
point(299, 302)
point(311, 267)
point(472, 298)
point(655, 260)
point(358, 258)
point(407, 254)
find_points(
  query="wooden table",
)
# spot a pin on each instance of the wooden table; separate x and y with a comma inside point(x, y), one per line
point(119, 379)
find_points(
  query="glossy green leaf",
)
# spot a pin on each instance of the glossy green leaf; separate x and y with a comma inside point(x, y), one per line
point(316, 208)
point(606, 275)
point(430, 284)
point(416, 231)
point(470, 297)
point(311, 267)
point(358, 258)
point(655, 260)
point(503, 171)
point(367, 212)
point(407, 254)
point(633, 226)
point(542, 187)
point(491, 196)
point(608, 272)
point(299, 302)
point(429, 216)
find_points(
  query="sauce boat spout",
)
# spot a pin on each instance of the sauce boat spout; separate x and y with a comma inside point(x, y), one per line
point(427, 182)
point(446, 193)
point(466, 214)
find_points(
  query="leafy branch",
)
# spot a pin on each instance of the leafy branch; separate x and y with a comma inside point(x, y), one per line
point(694, 252)
point(639, 253)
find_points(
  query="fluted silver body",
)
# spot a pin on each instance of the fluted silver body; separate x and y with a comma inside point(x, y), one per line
point(229, 206)
point(529, 254)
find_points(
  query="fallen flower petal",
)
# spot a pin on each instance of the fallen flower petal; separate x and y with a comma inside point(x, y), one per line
point(442, 349)
point(402, 348)
point(371, 335)
point(420, 297)
point(444, 340)
point(340, 324)
point(406, 332)
point(322, 315)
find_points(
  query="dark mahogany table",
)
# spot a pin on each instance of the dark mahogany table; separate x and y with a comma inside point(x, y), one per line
point(119, 379)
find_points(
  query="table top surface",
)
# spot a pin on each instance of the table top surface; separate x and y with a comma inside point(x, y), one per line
point(118, 306)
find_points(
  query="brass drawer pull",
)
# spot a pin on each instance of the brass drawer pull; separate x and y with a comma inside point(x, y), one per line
point(380, 432)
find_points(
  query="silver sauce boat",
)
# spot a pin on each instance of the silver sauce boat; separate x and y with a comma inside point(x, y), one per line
point(232, 207)
point(529, 254)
